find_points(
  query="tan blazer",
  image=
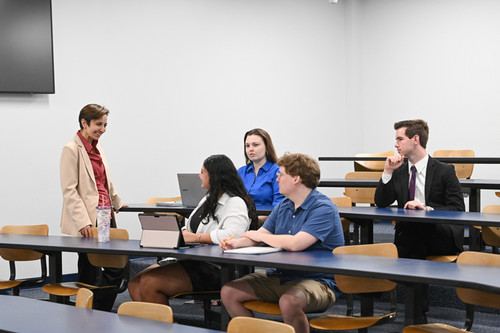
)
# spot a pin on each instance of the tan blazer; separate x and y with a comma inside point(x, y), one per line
point(79, 189)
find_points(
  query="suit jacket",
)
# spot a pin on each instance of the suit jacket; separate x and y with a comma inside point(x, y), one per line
point(79, 189)
point(442, 191)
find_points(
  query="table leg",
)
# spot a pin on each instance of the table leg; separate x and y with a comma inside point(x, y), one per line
point(55, 272)
point(227, 274)
point(474, 233)
point(475, 200)
point(366, 231)
point(414, 303)
point(366, 309)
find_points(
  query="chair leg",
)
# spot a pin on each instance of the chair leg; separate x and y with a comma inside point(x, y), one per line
point(469, 320)
point(356, 234)
point(210, 315)
point(347, 238)
point(206, 311)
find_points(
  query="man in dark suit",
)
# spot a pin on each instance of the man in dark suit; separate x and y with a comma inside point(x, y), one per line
point(434, 186)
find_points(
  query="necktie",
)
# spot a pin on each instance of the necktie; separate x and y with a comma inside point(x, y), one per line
point(412, 182)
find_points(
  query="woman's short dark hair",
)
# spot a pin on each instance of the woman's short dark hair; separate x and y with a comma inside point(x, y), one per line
point(270, 152)
point(91, 112)
point(223, 177)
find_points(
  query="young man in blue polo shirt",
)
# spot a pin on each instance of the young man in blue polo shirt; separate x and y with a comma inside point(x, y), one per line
point(305, 220)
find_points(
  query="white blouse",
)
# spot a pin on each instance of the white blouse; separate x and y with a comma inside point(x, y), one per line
point(232, 215)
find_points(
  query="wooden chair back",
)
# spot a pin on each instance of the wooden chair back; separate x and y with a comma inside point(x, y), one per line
point(491, 235)
point(110, 260)
point(371, 165)
point(462, 170)
point(23, 255)
point(343, 202)
point(355, 285)
point(361, 194)
point(478, 297)
point(153, 201)
point(84, 298)
point(252, 325)
point(153, 311)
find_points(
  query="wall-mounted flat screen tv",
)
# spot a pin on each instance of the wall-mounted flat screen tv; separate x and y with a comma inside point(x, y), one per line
point(26, 52)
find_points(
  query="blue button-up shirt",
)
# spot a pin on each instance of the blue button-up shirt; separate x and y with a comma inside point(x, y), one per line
point(264, 188)
point(317, 216)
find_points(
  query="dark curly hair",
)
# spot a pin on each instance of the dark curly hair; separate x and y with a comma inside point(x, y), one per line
point(223, 177)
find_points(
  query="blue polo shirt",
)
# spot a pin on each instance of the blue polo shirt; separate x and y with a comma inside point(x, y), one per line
point(317, 216)
point(264, 188)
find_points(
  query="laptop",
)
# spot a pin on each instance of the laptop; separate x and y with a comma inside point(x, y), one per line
point(163, 231)
point(190, 189)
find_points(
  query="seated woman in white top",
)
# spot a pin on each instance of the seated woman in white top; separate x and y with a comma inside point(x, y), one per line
point(225, 211)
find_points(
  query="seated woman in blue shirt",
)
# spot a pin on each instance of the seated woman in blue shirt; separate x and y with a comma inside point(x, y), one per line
point(259, 174)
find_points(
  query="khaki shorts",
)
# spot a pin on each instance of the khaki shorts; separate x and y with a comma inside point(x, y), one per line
point(268, 288)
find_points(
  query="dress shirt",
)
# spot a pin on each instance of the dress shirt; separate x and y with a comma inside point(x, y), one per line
point(421, 167)
point(420, 181)
point(99, 171)
point(263, 188)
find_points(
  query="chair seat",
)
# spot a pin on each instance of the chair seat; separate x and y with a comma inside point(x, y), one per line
point(339, 322)
point(431, 328)
point(263, 307)
point(70, 288)
point(198, 294)
point(7, 284)
point(445, 258)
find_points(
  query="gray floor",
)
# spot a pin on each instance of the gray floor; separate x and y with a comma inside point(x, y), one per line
point(445, 307)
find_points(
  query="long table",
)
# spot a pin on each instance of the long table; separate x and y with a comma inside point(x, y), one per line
point(366, 215)
point(21, 314)
point(471, 186)
point(181, 210)
point(460, 160)
point(409, 271)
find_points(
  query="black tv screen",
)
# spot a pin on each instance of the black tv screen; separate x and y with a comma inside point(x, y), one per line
point(26, 52)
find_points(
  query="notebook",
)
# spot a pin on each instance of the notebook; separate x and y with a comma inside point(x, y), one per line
point(190, 189)
point(163, 231)
point(254, 250)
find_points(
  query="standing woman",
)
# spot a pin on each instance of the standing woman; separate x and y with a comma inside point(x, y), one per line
point(85, 184)
point(226, 210)
point(260, 172)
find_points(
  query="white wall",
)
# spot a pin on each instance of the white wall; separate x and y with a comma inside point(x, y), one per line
point(435, 60)
point(185, 79)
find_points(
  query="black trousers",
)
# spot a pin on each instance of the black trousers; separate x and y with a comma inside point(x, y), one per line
point(87, 273)
point(419, 240)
